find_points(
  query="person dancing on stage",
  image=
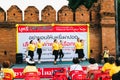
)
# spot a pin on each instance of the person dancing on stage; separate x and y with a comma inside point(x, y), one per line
point(55, 48)
point(61, 55)
point(39, 49)
point(79, 48)
point(31, 49)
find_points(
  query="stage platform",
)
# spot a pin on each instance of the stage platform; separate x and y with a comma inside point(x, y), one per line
point(50, 64)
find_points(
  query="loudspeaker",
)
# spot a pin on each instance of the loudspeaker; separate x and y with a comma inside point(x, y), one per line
point(19, 58)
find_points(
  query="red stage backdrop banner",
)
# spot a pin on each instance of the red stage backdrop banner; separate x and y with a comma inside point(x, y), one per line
point(68, 33)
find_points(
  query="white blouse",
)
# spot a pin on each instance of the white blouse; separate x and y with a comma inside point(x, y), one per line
point(75, 67)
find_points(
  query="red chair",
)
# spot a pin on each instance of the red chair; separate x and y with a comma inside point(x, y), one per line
point(7, 76)
point(107, 71)
point(94, 74)
point(104, 77)
point(31, 76)
point(80, 77)
point(75, 72)
point(60, 75)
point(60, 71)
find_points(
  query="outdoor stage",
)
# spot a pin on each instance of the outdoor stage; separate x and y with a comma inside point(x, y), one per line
point(46, 68)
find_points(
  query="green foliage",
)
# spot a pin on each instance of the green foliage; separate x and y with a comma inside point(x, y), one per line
point(89, 3)
point(74, 4)
point(118, 1)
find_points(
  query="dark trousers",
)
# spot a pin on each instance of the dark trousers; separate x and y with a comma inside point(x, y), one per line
point(55, 53)
point(61, 55)
point(39, 52)
point(80, 53)
point(31, 54)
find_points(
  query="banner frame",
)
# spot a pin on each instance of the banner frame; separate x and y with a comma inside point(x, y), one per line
point(53, 24)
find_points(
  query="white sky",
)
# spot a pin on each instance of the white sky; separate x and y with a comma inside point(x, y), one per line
point(39, 4)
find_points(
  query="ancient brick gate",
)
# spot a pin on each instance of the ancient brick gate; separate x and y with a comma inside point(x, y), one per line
point(101, 17)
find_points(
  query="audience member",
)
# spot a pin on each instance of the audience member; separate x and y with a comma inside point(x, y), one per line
point(30, 67)
point(93, 65)
point(115, 69)
point(76, 65)
point(109, 64)
point(116, 76)
point(6, 69)
point(1, 73)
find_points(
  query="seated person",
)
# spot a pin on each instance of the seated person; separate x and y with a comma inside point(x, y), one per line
point(1, 73)
point(93, 65)
point(76, 65)
point(116, 68)
point(6, 69)
point(109, 64)
point(116, 76)
point(30, 67)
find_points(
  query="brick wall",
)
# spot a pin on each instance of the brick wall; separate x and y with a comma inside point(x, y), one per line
point(7, 43)
point(48, 14)
point(102, 27)
point(2, 15)
point(95, 41)
point(14, 14)
point(82, 14)
point(94, 13)
point(31, 14)
point(65, 14)
point(108, 38)
point(108, 25)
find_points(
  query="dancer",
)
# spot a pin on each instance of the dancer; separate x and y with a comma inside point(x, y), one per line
point(79, 45)
point(55, 48)
point(39, 49)
point(61, 55)
point(31, 49)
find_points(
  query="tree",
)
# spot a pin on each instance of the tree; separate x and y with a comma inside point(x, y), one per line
point(74, 4)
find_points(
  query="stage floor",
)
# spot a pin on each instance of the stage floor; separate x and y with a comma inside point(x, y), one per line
point(51, 65)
